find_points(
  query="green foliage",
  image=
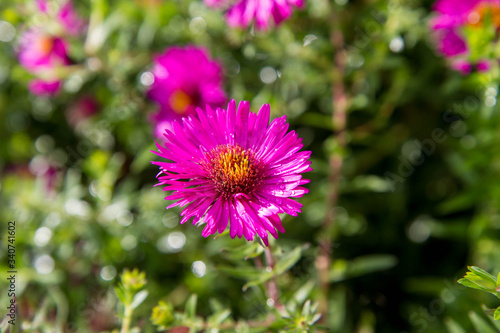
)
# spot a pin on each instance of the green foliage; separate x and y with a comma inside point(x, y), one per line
point(477, 278)
point(131, 295)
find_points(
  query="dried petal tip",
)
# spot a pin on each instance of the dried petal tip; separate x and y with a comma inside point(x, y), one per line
point(233, 167)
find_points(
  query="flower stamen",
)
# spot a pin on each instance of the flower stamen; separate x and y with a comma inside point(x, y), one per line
point(233, 170)
point(180, 101)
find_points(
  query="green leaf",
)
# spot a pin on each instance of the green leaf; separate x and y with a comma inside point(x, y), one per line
point(263, 277)
point(226, 232)
point(480, 324)
point(284, 263)
point(496, 315)
point(245, 252)
point(470, 284)
point(482, 273)
point(241, 272)
point(218, 317)
point(215, 305)
point(120, 294)
point(288, 260)
point(315, 318)
point(139, 298)
point(478, 278)
point(342, 269)
point(306, 308)
point(190, 309)
point(453, 326)
point(304, 291)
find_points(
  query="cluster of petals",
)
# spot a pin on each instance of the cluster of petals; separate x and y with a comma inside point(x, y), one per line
point(234, 168)
point(184, 78)
point(451, 17)
point(42, 52)
point(65, 15)
point(242, 13)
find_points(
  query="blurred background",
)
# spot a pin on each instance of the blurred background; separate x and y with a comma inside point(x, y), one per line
point(419, 192)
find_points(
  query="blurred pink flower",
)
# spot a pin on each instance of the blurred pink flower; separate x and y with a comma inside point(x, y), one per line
point(483, 66)
point(41, 88)
point(65, 14)
point(48, 172)
point(452, 16)
point(184, 78)
point(39, 51)
point(82, 109)
point(241, 13)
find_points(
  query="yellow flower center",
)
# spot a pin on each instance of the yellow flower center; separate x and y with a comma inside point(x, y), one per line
point(45, 45)
point(180, 101)
point(233, 170)
point(482, 12)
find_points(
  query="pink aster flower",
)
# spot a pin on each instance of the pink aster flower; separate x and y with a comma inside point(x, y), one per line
point(184, 79)
point(241, 13)
point(40, 51)
point(43, 53)
point(65, 15)
point(452, 16)
point(233, 167)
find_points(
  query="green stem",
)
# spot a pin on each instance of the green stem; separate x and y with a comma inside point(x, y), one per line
point(127, 319)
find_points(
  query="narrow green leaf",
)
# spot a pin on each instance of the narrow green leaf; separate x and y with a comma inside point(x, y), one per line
point(342, 269)
point(264, 276)
point(315, 318)
point(120, 294)
point(190, 309)
point(215, 305)
point(453, 326)
point(288, 260)
point(304, 291)
point(218, 317)
point(139, 298)
point(496, 315)
point(306, 308)
point(226, 232)
point(241, 272)
point(246, 251)
point(480, 324)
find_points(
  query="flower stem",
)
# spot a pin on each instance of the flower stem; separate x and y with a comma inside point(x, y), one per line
point(272, 285)
point(339, 120)
point(127, 319)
